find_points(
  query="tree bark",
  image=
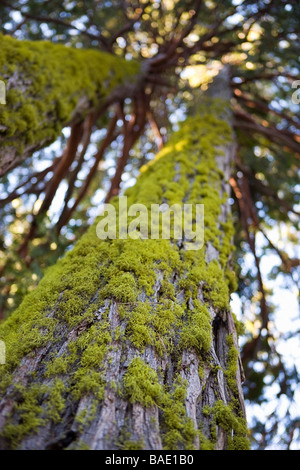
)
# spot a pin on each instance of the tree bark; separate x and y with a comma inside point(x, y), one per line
point(131, 344)
point(50, 86)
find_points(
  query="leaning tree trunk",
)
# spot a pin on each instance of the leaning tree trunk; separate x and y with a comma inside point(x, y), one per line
point(131, 344)
point(49, 86)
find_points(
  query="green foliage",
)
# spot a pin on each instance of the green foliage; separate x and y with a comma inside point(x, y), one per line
point(30, 413)
point(120, 271)
point(232, 367)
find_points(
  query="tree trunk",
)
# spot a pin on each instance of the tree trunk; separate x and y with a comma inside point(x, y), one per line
point(50, 86)
point(130, 344)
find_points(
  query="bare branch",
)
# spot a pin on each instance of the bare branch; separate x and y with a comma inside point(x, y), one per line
point(263, 106)
point(156, 130)
point(132, 132)
point(60, 171)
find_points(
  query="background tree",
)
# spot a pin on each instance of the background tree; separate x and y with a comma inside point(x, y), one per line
point(179, 44)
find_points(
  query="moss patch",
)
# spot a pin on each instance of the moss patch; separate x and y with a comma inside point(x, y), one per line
point(142, 385)
point(234, 426)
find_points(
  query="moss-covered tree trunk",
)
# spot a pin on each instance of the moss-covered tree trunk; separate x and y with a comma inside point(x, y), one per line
point(49, 86)
point(131, 344)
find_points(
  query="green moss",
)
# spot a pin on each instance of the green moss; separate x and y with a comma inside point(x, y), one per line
point(218, 291)
point(141, 384)
point(201, 369)
point(232, 363)
point(133, 445)
point(205, 444)
point(59, 365)
point(197, 331)
point(122, 287)
point(55, 400)
point(29, 413)
point(234, 426)
point(206, 410)
point(86, 416)
point(154, 324)
point(69, 301)
point(239, 325)
point(54, 78)
point(138, 328)
point(81, 445)
point(180, 431)
point(92, 348)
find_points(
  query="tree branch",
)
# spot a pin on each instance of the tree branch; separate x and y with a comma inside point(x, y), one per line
point(263, 189)
point(156, 130)
point(262, 106)
point(247, 213)
point(68, 211)
point(132, 131)
point(59, 21)
point(245, 121)
point(60, 171)
point(88, 125)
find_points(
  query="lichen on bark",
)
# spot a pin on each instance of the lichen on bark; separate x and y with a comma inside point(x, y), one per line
point(134, 339)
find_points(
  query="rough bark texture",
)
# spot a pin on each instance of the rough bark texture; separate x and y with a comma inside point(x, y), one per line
point(49, 86)
point(130, 344)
